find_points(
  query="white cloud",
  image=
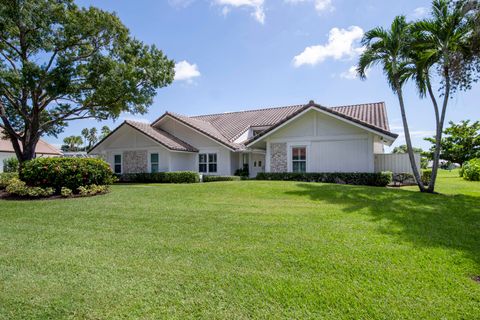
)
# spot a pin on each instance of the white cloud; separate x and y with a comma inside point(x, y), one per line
point(350, 74)
point(180, 3)
point(342, 43)
point(418, 13)
point(320, 5)
point(257, 6)
point(185, 71)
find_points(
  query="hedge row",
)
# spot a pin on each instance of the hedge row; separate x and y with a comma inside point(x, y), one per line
point(160, 177)
point(70, 173)
point(220, 178)
point(379, 179)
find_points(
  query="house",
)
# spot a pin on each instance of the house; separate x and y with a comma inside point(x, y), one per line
point(298, 138)
point(43, 149)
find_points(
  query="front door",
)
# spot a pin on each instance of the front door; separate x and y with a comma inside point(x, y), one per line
point(257, 164)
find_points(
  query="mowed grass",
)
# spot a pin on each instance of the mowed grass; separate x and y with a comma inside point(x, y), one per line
point(240, 250)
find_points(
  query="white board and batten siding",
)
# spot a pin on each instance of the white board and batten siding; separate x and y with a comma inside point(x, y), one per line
point(331, 144)
point(395, 162)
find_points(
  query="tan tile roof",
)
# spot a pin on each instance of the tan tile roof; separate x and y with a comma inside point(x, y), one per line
point(161, 136)
point(42, 146)
point(372, 113)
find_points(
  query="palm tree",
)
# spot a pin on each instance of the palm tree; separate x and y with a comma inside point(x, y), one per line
point(388, 48)
point(85, 133)
point(105, 131)
point(72, 143)
point(442, 44)
point(92, 137)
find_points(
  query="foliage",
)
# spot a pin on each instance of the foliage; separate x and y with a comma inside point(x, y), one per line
point(403, 178)
point(92, 190)
point(461, 142)
point(60, 62)
point(243, 172)
point(10, 165)
point(18, 187)
point(66, 172)
point(208, 178)
point(471, 170)
point(426, 176)
point(161, 177)
point(379, 179)
point(72, 144)
point(66, 192)
point(105, 131)
point(5, 179)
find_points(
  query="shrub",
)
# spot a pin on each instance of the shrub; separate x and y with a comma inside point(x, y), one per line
point(244, 172)
point(220, 178)
point(5, 179)
point(70, 173)
point(10, 165)
point(65, 192)
point(403, 178)
point(471, 170)
point(92, 190)
point(379, 179)
point(161, 177)
point(19, 188)
point(426, 176)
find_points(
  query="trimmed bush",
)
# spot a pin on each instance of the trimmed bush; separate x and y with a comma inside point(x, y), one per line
point(426, 176)
point(471, 170)
point(70, 173)
point(92, 190)
point(18, 187)
point(161, 177)
point(65, 192)
point(379, 179)
point(5, 179)
point(10, 165)
point(220, 178)
point(403, 178)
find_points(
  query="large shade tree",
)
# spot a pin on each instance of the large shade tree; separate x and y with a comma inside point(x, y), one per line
point(60, 62)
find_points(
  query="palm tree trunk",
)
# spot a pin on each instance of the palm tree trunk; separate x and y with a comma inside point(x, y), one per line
point(408, 140)
point(438, 137)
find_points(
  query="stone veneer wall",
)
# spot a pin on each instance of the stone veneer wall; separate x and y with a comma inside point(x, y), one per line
point(278, 157)
point(135, 161)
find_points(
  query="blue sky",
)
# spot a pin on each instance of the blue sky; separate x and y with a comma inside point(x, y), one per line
point(245, 54)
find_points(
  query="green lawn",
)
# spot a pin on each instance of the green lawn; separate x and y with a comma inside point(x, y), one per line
point(239, 250)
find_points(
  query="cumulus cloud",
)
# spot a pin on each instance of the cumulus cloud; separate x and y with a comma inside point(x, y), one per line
point(418, 13)
point(342, 44)
point(350, 74)
point(320, 5)
point(256, 5)
point(185, 71)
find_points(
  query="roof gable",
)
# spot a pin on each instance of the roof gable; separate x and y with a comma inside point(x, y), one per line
point(42, 146)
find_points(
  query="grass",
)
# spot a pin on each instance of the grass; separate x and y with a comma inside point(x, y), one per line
point(241, 250)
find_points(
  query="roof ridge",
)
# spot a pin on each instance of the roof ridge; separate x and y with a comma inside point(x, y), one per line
point(358, 104)
point(243, 111)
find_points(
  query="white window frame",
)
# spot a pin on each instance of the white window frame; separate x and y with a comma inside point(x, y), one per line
point(290, 147)
point(150, 161)
point(207, 162)
point(115, 163)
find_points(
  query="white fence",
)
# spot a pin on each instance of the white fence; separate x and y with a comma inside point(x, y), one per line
point(395, 162)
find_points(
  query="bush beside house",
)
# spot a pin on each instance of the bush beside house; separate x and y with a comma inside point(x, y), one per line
point(160, 177)
point(220, 178)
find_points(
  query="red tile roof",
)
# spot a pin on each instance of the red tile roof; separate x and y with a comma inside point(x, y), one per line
point(42, 146)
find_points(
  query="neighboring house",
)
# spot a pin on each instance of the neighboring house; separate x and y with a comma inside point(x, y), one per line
point(299, 138)
point(6, 149)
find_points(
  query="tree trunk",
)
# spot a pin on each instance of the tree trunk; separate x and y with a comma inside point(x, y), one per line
point(408, 140)
point(438, 137)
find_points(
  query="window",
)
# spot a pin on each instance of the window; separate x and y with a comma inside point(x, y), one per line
point(299, 159)
point(207, 162)
point(212, 162)
point(154, 162)
point(202, 162)
point(118, 163)
point(260, 164)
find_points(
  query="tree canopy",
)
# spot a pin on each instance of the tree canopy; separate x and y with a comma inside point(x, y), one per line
point(60, 62)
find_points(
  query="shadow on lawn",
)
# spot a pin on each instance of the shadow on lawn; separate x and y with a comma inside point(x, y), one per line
point(424, 219)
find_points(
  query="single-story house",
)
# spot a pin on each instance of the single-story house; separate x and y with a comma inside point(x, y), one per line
point(43, 149)
point(298, 138)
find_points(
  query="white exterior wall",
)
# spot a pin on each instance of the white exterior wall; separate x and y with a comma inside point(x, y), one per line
point(332, 145)
point(395, 162)
point(202, 143)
